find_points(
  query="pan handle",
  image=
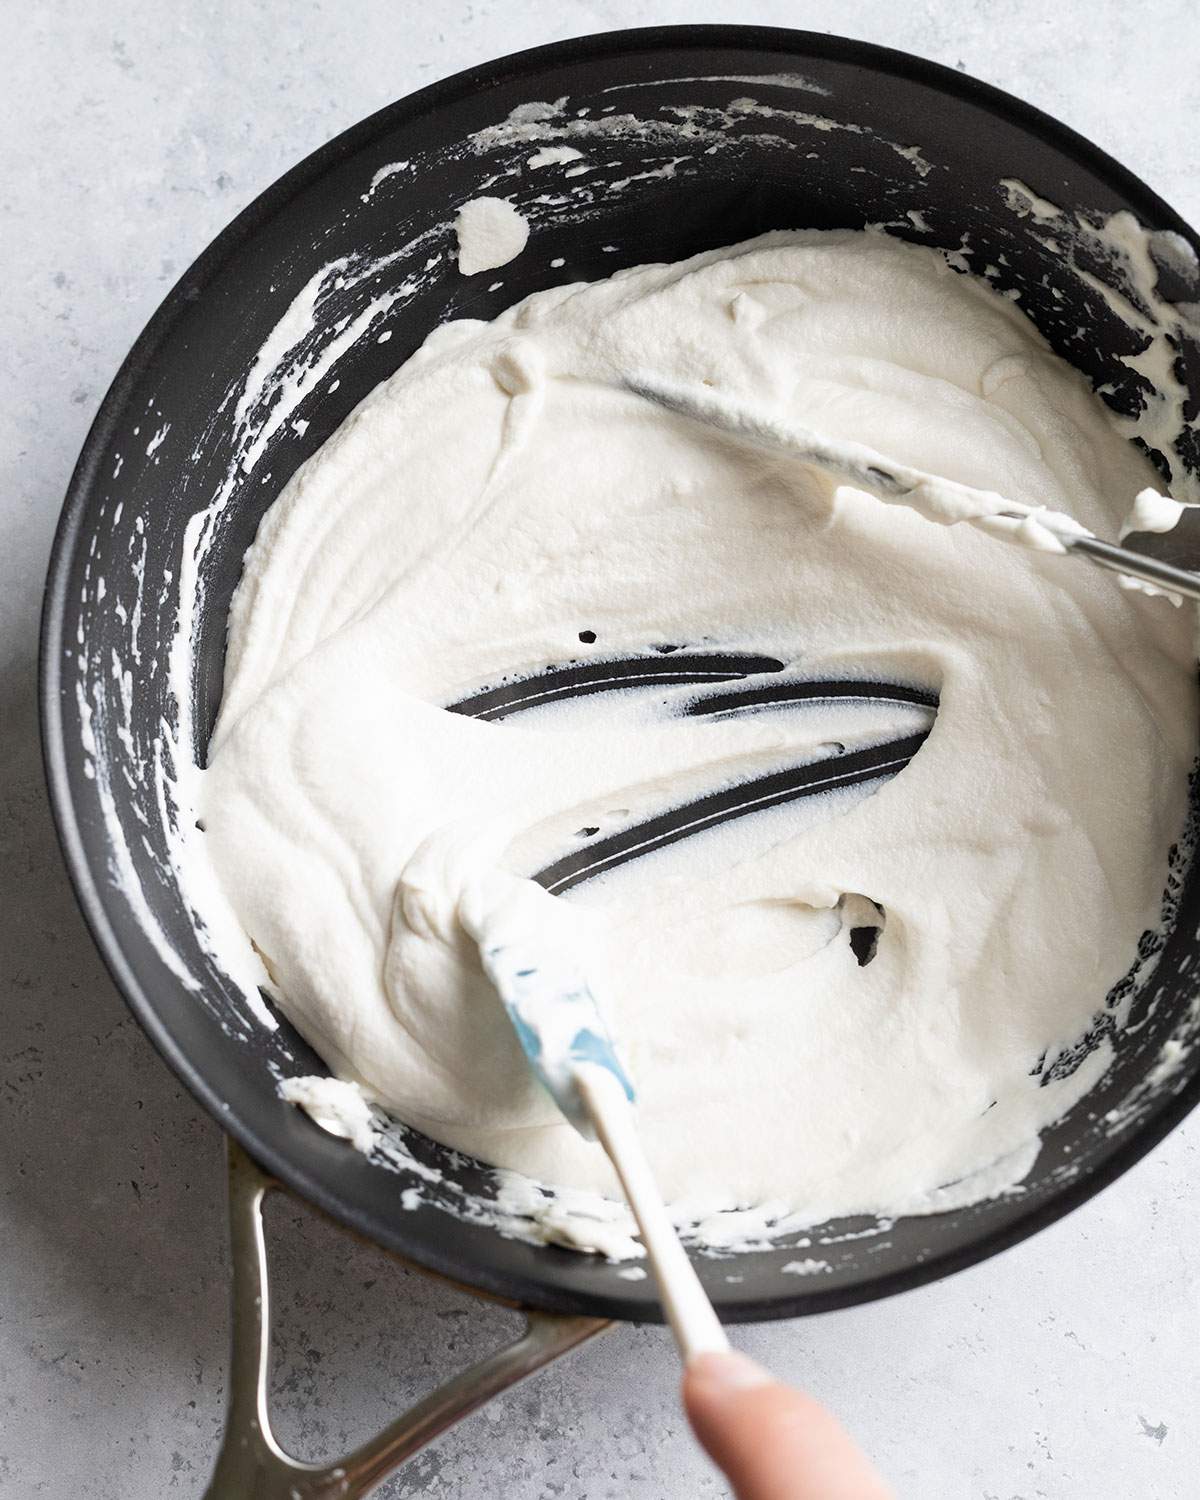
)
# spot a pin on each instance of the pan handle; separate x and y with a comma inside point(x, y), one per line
point(251, 1461)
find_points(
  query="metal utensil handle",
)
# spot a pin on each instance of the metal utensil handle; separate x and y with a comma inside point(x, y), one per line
point(251, 1461)
point(1137, 565)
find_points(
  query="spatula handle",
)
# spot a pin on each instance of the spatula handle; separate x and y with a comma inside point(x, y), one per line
point(695, 1325)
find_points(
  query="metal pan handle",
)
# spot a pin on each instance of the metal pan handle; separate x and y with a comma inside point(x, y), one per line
point(251, 1461)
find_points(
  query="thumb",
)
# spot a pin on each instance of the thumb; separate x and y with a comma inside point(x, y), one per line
point(773, 1443)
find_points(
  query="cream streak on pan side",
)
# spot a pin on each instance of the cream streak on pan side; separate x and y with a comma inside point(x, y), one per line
point(504, 502)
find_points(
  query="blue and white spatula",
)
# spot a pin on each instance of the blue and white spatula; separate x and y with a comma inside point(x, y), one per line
point(525, 941)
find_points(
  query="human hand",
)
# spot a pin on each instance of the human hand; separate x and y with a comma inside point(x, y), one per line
point(773, 1442)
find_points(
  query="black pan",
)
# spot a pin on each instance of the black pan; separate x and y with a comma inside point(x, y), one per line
point(199, 345)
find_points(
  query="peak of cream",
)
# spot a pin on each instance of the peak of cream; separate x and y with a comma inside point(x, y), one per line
point(505, 502)
point(1152, 511)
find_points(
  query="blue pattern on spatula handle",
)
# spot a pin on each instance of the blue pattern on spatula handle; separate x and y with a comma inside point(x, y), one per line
point(557, 1021)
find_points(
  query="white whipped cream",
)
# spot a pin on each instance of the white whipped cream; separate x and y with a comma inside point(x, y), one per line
point(503, 503)
point(553, 156)
point(335, 1105)
point(1152, 511)
point(490, 232)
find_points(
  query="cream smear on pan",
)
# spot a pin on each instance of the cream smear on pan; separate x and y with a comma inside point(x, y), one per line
point(490, 233)
point(506, 503)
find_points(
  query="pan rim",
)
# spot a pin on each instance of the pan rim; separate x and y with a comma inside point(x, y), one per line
point(91, 893)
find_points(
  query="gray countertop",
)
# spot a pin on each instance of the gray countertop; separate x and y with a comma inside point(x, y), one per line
point(1067, 1368)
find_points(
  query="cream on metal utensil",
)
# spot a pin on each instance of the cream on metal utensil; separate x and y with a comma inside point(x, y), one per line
point(935, 498)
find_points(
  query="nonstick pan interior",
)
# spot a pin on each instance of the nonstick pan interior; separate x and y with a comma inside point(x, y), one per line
point(701, 137)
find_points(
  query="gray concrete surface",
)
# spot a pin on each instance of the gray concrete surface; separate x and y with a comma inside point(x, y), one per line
point(1068, 1368)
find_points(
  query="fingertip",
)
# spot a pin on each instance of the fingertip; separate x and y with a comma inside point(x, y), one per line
point(770, 1439)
